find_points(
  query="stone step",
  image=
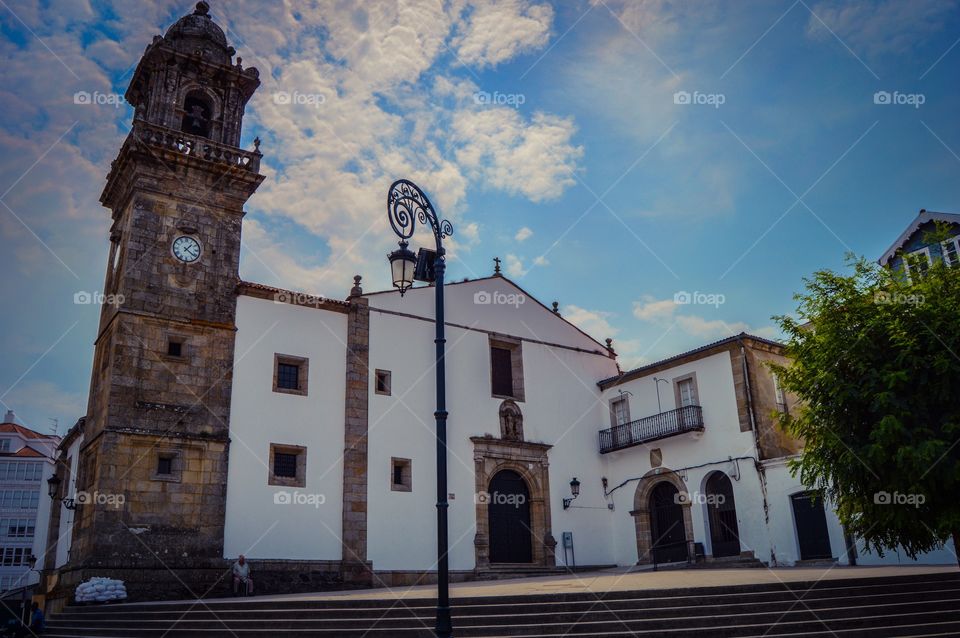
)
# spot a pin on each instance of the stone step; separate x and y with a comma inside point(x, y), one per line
point(399, 609)
point(809, 588)
point(873, 608)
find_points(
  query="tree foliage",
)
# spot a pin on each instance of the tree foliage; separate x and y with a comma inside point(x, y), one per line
point(876, 366)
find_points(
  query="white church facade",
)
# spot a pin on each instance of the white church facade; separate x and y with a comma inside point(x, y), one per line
point(228, 417)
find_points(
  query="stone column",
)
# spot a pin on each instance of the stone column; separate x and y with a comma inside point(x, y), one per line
point(355, 568)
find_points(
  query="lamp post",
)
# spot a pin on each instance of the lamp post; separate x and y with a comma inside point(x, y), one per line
point(406, 206)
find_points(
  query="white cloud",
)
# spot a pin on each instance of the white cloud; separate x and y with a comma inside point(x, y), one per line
point(515, 267)
point(495, 32)
point(534, 159)
point(651, 309)
point(523, 234)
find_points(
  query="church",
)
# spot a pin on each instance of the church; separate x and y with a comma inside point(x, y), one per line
point(226, 417)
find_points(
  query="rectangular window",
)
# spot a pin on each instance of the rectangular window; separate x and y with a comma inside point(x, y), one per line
point(506, 368)
point(383, 382)
point(290, 374)
point(17, 527)
point(285, 465)
point(778, 393)
point(174, 348)
point(620, 411)
point(288, 465)
point(685, 390)
point(401, 479)
point(951, 251)
point(4, 445)
point(165, 465)
point(918, 262)
point(19, 499)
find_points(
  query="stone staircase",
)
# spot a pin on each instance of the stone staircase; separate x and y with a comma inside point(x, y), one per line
point(899, 606)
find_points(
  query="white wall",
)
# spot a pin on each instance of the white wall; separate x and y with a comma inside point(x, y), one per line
point(65, 530)
point(255, 524)
point(561, 408)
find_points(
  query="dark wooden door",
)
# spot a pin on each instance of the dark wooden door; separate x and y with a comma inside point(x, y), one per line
point(669, 539)
point(508, 512)
point(811, 522)
point(722, 514)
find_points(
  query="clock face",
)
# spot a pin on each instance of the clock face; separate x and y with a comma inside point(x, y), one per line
point(186, 249)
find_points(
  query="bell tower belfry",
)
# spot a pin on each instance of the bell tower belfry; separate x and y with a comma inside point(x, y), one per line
point(154, 458)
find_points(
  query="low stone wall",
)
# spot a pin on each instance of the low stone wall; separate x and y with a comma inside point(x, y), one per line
point(214, 580)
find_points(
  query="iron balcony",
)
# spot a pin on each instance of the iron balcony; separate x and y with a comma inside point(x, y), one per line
point(659, 426)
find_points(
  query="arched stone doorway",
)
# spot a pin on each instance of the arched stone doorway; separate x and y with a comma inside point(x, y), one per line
point(662, 518)
point(492, 457)
point(722, 516)
point(508, 514)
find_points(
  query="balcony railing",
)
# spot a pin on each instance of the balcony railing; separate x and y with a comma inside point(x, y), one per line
point(193, 145)
point(659, 426)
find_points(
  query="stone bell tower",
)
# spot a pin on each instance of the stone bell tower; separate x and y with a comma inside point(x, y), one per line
point(153, 465)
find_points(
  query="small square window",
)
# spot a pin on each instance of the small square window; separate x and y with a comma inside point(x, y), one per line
point(174, 348)
point(288, 465)
point(290, 374)
point(165, 465)
point(401, 475)
point(382, 382)
point(285, 465)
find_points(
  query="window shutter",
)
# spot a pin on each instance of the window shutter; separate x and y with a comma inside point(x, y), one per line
point(502, 371)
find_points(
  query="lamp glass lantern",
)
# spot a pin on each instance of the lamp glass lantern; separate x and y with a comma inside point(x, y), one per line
point(575, 487)
point(402, 265)
point(53, 486)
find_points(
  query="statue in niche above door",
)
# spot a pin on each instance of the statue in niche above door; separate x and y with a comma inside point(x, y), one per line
point(511, 421)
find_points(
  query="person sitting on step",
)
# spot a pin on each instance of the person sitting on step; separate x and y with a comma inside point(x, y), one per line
point(241, 576)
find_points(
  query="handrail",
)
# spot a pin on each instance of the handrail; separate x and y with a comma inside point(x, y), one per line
point(689, 418)
point(195, 146)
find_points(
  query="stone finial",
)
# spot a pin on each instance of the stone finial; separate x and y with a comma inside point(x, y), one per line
point(202, 9)
point(256, 144)
point(356, 291)
point(610, 345)
point(556, 307)
point(496, 265)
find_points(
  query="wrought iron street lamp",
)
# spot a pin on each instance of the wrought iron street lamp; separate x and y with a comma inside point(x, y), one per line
point(407, 205)
point(574, 491)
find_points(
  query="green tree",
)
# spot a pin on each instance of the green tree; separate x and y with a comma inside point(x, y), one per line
point(876, 366)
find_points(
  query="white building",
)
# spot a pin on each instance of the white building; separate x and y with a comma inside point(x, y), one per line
point(26, 462)
point(698, 470)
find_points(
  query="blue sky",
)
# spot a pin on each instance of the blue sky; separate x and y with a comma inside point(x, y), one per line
point(553, 135)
